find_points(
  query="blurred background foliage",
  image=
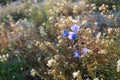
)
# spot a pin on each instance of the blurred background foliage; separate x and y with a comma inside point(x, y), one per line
point(40, 17)
point(107, 2)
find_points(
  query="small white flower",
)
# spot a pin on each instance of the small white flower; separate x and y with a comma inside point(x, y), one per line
point(56, 57)
point(39, 59)
point(69, 47)
point(16, 52)
point(102, 51)
point(0, 57)
point(5, 59)
point(103, 5)
point(95, 23)
point(60, 41)
point(100, 8)
point(118, 65)
point(106, 6)
point(13, 76)
point(94, 8)
point(76, 74)
point(51, 62)
point(3, 56)
point(7, 55)
point(81, 3)
point(21, 68)
point(84, 22)
point(102, 14)
point(37, 43)
point(98, 35)
point(58, 45)
point(111, 16)
point(59, 37)
point(87, 79)
point(29, 46)
point(43, 24)
point(74, 21)
point(109, 30)
point(118, 62)
point(33, 72)
point(87, 5)
point(101, 78)
point(95, 79)
point(92, 5)
point(82, 55)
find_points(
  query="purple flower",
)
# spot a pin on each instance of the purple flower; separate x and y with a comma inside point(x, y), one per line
point(85, 50)
point(65, 33)
point(76, 54)
point(75, 28)
point(72, 36)
point(35, 2)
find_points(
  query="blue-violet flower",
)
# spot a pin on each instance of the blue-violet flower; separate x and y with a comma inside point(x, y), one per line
point(76, 54)
point(85, 50)
point(65, 33)
point(75, 28)
point(72, 36)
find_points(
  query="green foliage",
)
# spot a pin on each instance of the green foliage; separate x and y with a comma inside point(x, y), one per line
point(14, 68)
point(8, 71)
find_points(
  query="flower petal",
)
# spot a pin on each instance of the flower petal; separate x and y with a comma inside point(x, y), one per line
point(75, 28)
point(85, 50)
point(76, 54)
point(65, 33)
point(72, 36)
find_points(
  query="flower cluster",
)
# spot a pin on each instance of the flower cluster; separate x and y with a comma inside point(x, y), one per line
point(72, 35)
point(4, 58)
point(78, 55)
point(51, 62)
point(76, 74)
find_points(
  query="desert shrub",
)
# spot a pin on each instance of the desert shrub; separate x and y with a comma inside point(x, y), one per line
point(62, 40)
point(108, 2)
point(38, 15)
point(60, 54)
point(16, 10)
